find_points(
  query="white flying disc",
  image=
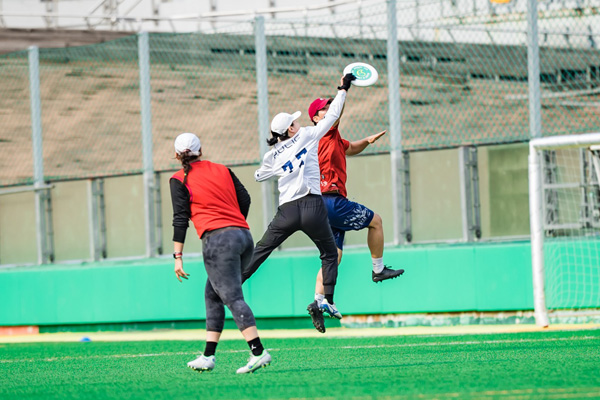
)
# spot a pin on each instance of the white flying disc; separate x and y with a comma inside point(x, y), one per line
point(365, 74)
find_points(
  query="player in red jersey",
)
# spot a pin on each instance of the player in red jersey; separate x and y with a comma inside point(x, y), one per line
point(213, 198)
point(344, 215)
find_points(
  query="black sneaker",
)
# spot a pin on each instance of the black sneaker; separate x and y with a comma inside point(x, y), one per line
point(387, 273)
point(317, 316)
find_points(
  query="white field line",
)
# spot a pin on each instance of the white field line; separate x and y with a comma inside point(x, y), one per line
point(472, 342)
point(514, 394)
point(466, 343)
point(234, 334)
point(52, 359)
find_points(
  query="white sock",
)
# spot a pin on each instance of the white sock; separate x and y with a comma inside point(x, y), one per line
point(377, 265)
point(319, 298)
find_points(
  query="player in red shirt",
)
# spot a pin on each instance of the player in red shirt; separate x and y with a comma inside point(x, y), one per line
point(344, 215)
point(213, 198)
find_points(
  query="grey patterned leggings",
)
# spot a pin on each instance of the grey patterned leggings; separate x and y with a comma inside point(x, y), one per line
point(226, 251)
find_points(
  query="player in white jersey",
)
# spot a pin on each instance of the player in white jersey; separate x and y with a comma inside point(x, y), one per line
point(294, 161)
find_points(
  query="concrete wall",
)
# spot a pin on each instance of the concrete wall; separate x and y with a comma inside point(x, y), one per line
point(435, 202)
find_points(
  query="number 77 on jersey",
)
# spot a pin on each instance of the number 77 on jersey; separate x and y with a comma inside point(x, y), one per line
point(289, 166)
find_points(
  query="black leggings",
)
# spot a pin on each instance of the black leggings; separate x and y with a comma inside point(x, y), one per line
point(226, 251)
point(309, 215)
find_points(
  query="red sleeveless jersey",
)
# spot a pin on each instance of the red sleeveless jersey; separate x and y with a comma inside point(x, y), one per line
point(213, 201)
point(332, 162)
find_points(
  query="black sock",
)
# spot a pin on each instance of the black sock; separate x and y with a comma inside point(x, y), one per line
point(256, 346)
point(210, 349)
point(329, 298)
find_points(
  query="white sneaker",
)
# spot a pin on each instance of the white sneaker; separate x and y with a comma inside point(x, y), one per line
point(256, 362)
point(330, 309)
point(202, 363)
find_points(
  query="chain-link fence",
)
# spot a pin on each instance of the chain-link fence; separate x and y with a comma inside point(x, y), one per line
point(463, 70)
point(455, 74)
point(16, 163)
point(205, 84)
point(90, 110)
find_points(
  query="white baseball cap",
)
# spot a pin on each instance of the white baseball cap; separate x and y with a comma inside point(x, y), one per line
point(188, 141)
point(283, 121)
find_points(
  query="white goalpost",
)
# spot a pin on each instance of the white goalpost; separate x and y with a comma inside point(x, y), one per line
point(564, 211)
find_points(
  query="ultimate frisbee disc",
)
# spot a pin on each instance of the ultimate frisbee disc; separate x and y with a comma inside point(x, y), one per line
point(366, 74)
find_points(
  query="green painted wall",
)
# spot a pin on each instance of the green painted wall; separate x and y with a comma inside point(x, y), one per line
point(449, 278)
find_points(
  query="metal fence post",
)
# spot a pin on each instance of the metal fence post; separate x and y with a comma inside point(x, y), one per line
point(465, 192)
point(38, 157)
point(395, 121)
point(260, 40)
point(158, 214)
point(469, 192)
point(533, 70)
point(407, 203)
point(146, 113)
point(97, 219)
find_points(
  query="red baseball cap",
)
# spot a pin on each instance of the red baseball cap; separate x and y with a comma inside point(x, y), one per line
point(317, 105)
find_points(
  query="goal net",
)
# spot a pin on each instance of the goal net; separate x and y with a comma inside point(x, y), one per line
point(564, 208)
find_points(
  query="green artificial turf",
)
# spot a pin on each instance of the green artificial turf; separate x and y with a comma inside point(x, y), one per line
point(518, 366)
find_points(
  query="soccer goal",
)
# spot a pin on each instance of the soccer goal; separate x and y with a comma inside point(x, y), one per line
point(564, 211)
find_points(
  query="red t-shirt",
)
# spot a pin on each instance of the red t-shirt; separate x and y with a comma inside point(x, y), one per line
point(213, 200)
point(332, 162)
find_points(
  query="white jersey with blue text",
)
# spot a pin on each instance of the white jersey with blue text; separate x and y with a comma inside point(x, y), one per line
point(295, 161)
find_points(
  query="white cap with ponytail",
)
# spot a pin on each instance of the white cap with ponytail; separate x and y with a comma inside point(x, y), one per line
point(188, 142)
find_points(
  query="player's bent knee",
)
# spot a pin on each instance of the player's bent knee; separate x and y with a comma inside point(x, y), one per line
point(233, 301)
point(376, 222)
point(242, 314)
point(330, 257)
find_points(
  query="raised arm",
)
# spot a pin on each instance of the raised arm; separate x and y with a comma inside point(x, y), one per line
point(335, 109)
point(337, 123)
point(333, 114)
point(359, 145)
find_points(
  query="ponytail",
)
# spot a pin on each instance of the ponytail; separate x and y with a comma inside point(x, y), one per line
point(275, 137)
point(185, 159)
point(272, 140)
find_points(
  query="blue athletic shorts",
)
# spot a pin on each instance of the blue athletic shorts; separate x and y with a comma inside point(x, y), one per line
point(345, 215)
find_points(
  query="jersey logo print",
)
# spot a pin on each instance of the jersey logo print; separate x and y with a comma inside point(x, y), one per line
point(299, 155)
point(289, 166)
point(285, 145)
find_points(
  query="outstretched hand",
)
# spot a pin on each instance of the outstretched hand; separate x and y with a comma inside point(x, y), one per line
point(373, 138)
